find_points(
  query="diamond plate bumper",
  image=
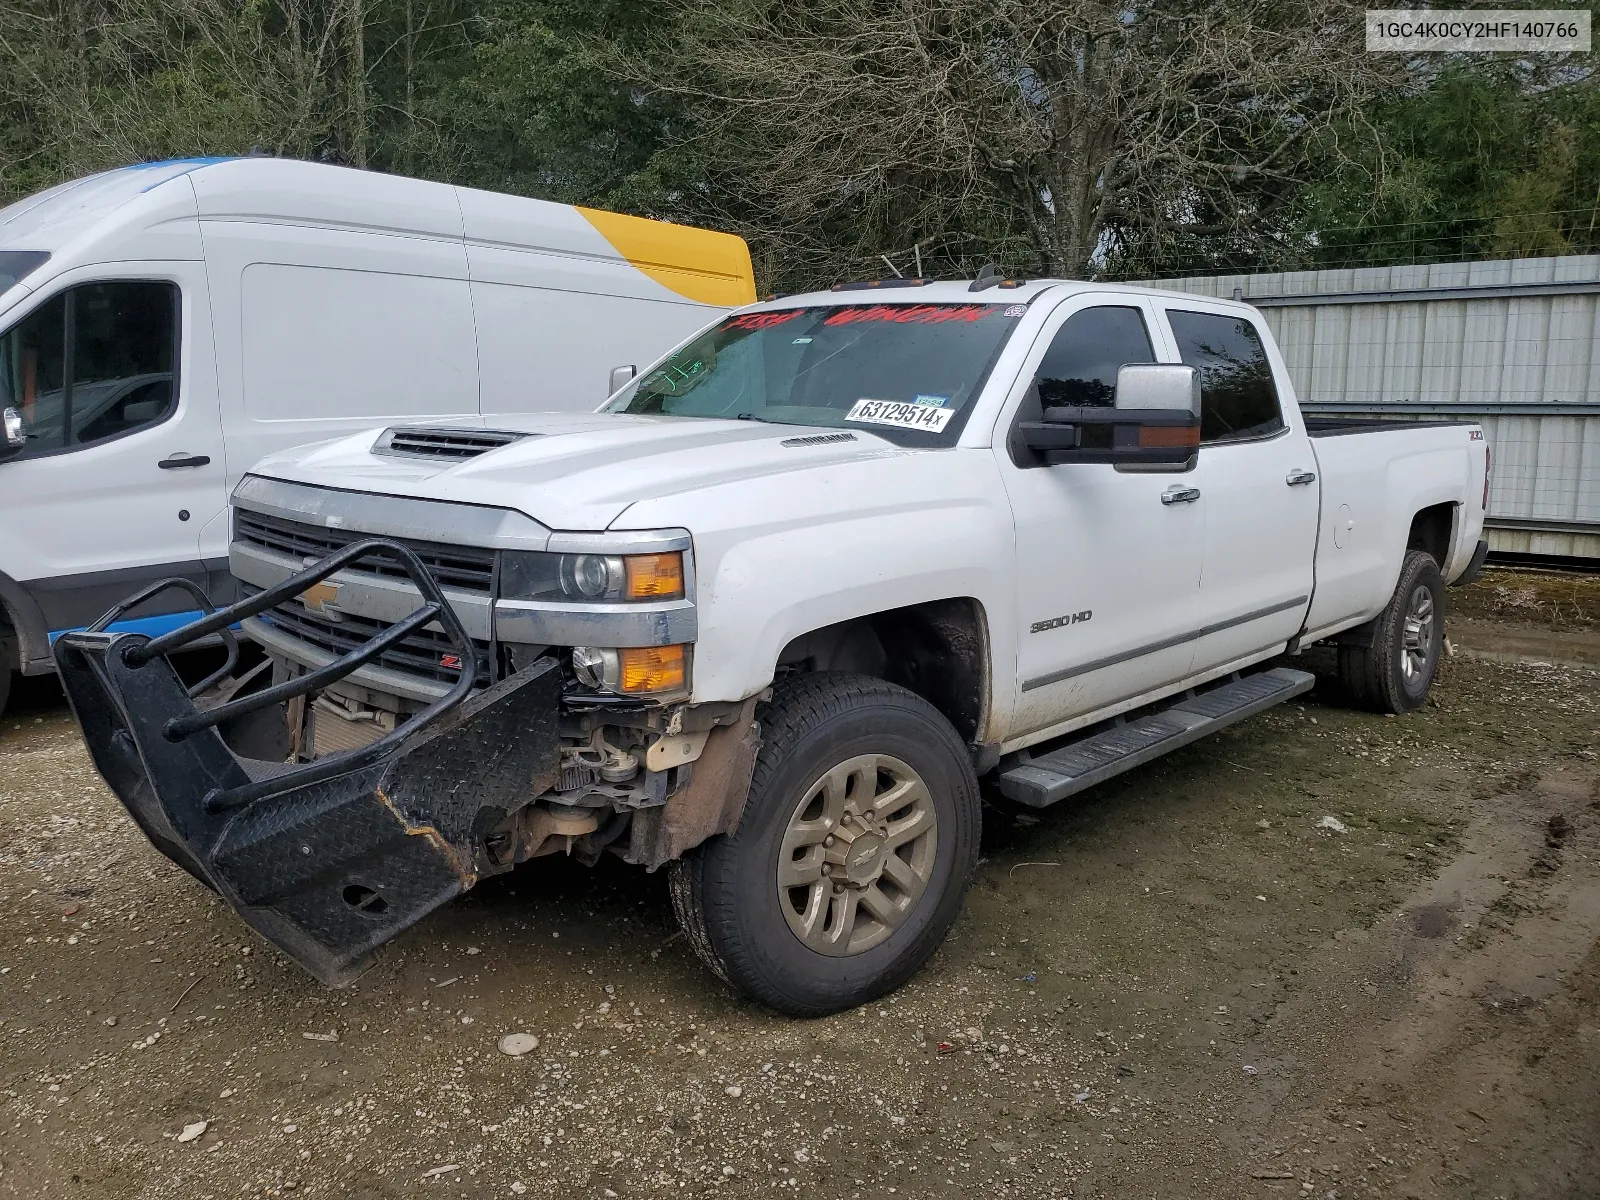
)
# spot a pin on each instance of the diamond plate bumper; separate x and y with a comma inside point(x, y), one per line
point(331, 859)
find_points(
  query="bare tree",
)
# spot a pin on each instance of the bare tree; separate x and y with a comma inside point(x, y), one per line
point(1048, 133)
point(107, 82)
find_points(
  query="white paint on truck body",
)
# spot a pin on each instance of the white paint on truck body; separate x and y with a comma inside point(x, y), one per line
point(788, 539)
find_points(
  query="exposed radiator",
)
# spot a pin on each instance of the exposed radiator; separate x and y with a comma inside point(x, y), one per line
point(332, 732)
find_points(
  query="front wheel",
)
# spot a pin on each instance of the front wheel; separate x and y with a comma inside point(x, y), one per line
point(856, 847)
point(1393, 670)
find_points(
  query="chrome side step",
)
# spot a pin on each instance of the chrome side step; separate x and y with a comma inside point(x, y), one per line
point(1043, 780)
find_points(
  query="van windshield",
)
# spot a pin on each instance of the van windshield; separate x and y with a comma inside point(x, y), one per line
point(16, 264)
point(908, 372)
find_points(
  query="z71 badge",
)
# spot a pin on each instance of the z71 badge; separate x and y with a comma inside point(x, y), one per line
point(1076, 618)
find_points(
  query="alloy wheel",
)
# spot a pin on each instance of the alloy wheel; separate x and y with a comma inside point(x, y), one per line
point(1416, 643)
point(857, 854)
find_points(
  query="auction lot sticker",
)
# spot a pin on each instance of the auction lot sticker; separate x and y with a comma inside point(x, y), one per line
point(901, 415)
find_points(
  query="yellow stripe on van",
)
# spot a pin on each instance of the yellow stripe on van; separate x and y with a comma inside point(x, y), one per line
point(705, 266)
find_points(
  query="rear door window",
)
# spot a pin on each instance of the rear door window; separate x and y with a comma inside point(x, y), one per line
point(94, 363)
point(1238, 396)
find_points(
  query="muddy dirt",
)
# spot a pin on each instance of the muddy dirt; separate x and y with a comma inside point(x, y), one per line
point(1324, 954)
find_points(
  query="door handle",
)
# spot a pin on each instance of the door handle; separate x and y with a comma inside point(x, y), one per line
point(1177, 494)
point(175, 461)
point(1298, 478)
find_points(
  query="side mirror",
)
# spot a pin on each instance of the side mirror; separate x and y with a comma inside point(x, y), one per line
point(1170, 387)
point(1155, 422)
point(621, 377)
point(13, 434)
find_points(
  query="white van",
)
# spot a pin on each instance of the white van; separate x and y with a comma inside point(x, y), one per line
point(164, 326)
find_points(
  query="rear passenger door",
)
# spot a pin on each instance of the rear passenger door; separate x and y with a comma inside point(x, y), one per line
point(1257, 477)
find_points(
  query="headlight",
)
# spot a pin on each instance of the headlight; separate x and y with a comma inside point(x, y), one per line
point(633, 670)
point(592, 577)
point(596, 668)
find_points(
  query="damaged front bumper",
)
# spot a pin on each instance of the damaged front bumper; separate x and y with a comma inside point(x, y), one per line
point(332, 858)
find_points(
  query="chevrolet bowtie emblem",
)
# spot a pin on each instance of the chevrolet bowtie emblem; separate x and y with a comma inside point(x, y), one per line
point(320, 597)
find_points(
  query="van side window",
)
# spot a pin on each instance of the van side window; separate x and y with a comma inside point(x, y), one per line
point(1238, 397)
point(1080, 368)
point(93, 363)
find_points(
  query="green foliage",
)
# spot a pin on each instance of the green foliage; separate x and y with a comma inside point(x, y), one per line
point(506, 95)
point(1484, 158)
point(1042, 134)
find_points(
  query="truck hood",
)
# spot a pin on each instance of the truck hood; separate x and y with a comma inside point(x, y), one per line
point(579, 472)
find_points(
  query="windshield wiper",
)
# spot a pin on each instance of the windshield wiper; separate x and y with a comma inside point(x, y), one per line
point(752, 417)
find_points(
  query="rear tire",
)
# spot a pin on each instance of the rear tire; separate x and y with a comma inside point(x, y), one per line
point(1392, 671)
point(852, 857)
point(8, 660)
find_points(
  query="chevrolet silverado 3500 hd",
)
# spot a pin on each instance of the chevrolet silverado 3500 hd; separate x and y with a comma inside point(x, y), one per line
point(769, 615)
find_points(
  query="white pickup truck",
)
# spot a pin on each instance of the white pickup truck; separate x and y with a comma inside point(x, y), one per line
point(771, 615)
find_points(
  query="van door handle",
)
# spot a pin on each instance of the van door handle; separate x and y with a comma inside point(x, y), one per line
point(1177, 494)
point(1299, 478)
point(174, 461)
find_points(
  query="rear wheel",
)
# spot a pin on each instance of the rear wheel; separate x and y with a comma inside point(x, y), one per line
point(856, 847)
point(8, 661)
point(1393, 671)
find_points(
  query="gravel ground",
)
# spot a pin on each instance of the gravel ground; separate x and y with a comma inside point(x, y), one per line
point(1322, 954)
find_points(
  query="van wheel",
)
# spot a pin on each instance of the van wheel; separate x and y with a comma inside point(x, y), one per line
point(1394, 671)
point(856, 847)
point(5, 684)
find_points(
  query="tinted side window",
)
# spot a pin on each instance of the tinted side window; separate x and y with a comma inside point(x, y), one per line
point(1238, 397)
point(93, 363)
point(33, 374)
point(1080, 368)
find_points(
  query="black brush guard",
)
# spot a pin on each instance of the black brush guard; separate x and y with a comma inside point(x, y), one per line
point(332, 858)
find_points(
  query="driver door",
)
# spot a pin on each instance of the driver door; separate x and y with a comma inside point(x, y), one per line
point(1108, 560)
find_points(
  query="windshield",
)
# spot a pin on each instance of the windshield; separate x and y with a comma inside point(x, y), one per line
point(15, 264)
point(906, 371)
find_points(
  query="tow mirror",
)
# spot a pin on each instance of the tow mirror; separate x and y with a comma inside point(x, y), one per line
point(13, 434)
point(1154, 423)
point(621, 377)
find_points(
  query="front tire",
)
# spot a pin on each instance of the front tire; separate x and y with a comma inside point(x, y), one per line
point(1393, 671)
point(856, 846)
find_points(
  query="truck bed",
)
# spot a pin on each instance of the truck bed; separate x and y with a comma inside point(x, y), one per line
point(1318, 427)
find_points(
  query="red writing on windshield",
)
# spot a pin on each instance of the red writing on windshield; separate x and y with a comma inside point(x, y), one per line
point(911, 314)
point(762, 320)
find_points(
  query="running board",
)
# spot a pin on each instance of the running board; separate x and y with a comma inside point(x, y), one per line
point(1042, 781)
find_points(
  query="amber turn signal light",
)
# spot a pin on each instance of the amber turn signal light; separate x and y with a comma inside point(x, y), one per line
point(655, 576)
point(652, 669)
point(1167, 436)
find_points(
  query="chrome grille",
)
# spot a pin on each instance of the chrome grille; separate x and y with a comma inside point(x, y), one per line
point(424, 655)
point(463, 567)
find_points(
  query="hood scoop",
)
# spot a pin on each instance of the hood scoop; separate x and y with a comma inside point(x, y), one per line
point(818, 439)
point(442, 443)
